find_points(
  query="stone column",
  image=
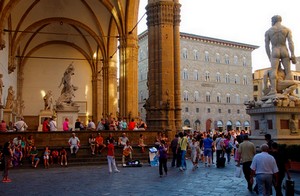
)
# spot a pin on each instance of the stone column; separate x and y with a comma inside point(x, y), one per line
point(163, 105)
point(128, 94)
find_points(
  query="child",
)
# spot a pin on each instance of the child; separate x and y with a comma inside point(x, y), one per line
point(63, 156)
point(195, 153)
point(141, 143)
point(111, 156)
point(46, 157)
point(54, 157)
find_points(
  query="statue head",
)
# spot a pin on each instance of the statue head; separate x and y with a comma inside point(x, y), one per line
point(276, 19)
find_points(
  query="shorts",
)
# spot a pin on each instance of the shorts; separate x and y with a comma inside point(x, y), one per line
point(207, 152)
point(46, 156)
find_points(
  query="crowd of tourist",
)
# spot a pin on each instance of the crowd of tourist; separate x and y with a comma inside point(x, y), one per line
point(229, 147)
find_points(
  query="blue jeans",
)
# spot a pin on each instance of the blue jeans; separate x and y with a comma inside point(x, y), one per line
point(264, 183)
point(183, 163)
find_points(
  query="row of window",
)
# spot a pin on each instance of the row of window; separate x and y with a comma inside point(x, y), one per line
point(207, 58)
point(209, 110)
point(207, 77)
point(218, 97)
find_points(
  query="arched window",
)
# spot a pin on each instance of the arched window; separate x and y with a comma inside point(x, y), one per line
point(207, 76)
point(141, 96)
point(246, 98)
point(244, 62)
point(206, 57)
point(196, 55)
point(226, 59)
point(185, 95)
point(218, 59)
point(227, 98)
point(207, 97)
point(236, 79)
point(218, 98)
point(187, 123)
point(218, 77)
point(196, 75)
point(196, 95)
point(227, 78)
point(184, 53)
point(185, 74)
point(237, 98)
point(245, 80)
point(235, 59)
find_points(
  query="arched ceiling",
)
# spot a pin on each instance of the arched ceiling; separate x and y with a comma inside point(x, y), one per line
point(85, 25)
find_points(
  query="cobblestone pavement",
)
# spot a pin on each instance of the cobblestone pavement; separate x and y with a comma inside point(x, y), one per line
point(145, 181)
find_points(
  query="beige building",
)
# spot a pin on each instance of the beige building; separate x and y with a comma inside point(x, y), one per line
point(216, 79)
point(258, 84)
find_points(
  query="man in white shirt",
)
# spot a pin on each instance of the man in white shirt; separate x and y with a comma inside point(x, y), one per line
point(52, 124)
point(21, 125)
point(74, 142)
point(91, 126)
point(264, 167)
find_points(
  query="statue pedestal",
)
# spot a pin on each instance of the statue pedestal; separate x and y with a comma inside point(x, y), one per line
point(70, 112)
point(283, 123)
point(8, 116)
point(44, 114)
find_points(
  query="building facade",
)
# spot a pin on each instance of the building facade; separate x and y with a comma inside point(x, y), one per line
point(216, 79)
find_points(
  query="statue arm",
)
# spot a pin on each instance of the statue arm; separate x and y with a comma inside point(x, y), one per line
point(267, 45)
point(291, 47)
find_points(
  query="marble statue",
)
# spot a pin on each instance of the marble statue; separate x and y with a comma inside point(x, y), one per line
point(10, 98)
point(48, 100)
point(277, 36)
point(67, 92)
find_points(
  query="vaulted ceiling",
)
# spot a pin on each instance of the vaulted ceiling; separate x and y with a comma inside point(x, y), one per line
point(88, 26)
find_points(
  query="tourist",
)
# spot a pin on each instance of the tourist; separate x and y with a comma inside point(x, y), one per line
point(66, 125)
point(54, 157)
point(111, 157)
point(282, 164)
point(123, 140)
point(3, 126)
point(74, 142)
point(219, 149)
point(264, 167)
point(92, 142)
point(124, 124)
point(17, 157)
point(182, 144)
point(34, 157)
point(142, 125)
point(21, 125)
point(127, 153)
point(163, 158)
point(78, 125)
point(195, 153)
point(24, 146)
point(7, 153)
point(174, 144)
point(110, 137)
point(17, 141)
point(99, 143)
point(131, 125)
point(228, 145)
point(141, 143)
point(46, 125)
point(269, 140)
point(246, 151)
point(91, 126)
point(52, 124)
point(207, 144)
point(46, 157)
point(100, 126)
point(63, 157)
point(30, 142)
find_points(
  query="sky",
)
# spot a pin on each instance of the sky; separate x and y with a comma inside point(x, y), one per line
point(244, 21)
